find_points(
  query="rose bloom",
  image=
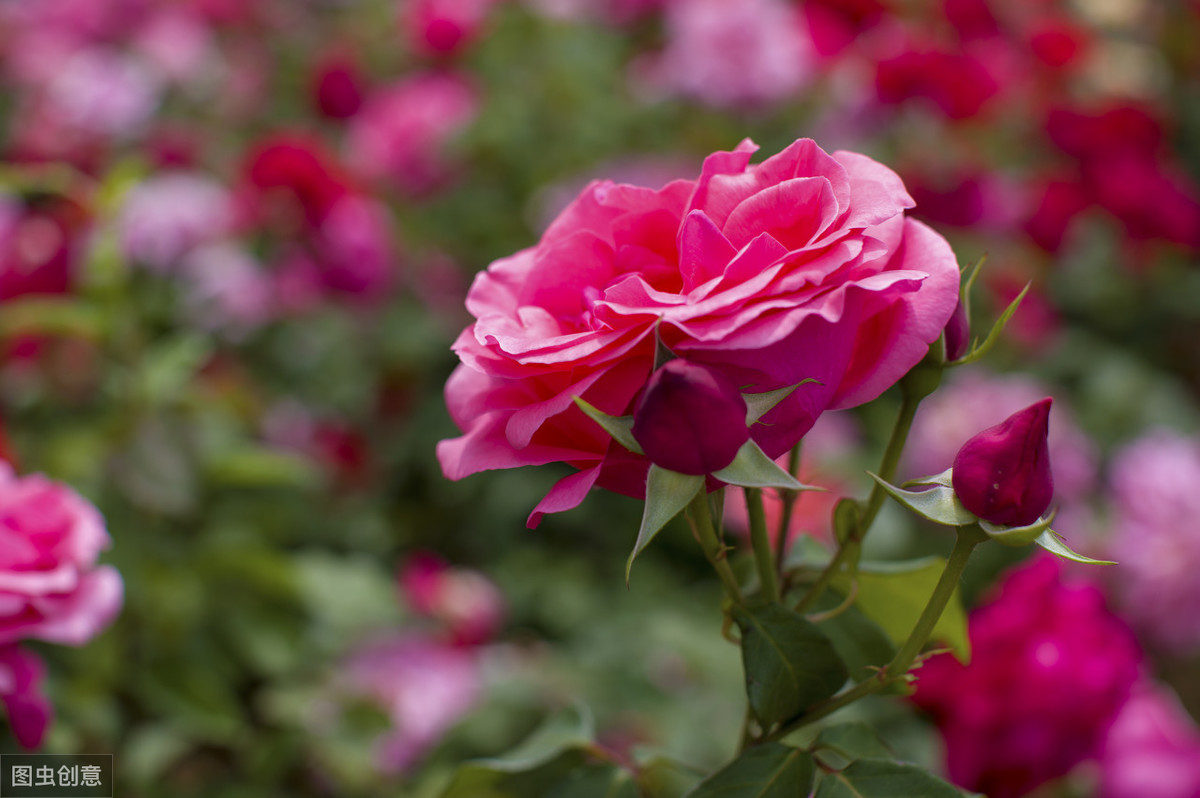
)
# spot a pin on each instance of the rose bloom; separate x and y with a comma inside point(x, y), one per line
point(50, 586)
point(29, 711)
point(1051, 667)
point(1153, 748)
point(801, 267)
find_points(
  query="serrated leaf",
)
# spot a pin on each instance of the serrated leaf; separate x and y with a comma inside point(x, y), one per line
point(881, 778)
point(751, 468)
point(858, 640)
point(938, 503)
point(1052, 542)
point(620, 427)
point(547, 758)
point(759, 404)
point(772, 770)
point(667, 493)
point(894, 595)
point(854, 740)
point(789, 663)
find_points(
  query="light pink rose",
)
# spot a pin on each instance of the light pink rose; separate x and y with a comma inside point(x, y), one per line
point(50, 586)
point(1152, 748)
point(800, 267)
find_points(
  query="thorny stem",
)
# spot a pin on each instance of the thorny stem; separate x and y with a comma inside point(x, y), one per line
point(700, 518)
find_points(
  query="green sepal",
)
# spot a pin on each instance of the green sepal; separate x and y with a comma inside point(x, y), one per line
point(620, 427)
point(1015, 536)
point(759, 404)
point(979, 350)
point(938, 504)
point(1052, 542)
point(771, 770)
point(751, 468)
point(667, 492)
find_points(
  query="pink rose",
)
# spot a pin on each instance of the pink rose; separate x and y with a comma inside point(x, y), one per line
point(29, 711)
point(1002, 474)
point(50, 586)
point(800, 267)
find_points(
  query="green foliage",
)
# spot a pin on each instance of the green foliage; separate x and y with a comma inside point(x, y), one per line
point(789, 663)
point(894, 594)
point(772, 770)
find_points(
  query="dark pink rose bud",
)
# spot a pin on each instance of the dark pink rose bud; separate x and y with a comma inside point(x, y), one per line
point(1003, 473)
point(690, 419)
point(958, 333)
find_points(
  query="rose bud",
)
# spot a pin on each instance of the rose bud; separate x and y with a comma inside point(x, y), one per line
point(958, 333)
point(690, 419)
point(1003, 474)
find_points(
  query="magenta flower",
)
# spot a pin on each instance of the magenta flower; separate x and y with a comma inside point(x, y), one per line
point(1003, 474)
point(1153, 748)
point(29, 711)
point(691, 419)
point(802, 267)
point(1051, 668)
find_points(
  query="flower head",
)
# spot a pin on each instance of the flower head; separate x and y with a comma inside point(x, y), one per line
point(1003, 474)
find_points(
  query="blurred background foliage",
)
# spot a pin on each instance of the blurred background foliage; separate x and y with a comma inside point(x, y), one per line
point(252, 397)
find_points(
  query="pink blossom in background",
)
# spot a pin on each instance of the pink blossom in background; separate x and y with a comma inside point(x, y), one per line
point(613, 12)
point(104, 93)
point(29, 711)
point(354, 248)
point(424, 686)
point(338, 84)
point(226, 289)
point(50, 585)
point(442, 27)
point(464, 602)
point(834, 25)
point(800, 267)
point(291, 182)
point(1152, 748)
point(170, 213)
point(971, 399)
point(731, 53)
point(177, 45)
point(959, 84)
point(1153, 484)
point(1120, 165)
point(1051, 669)
point(400, 136)
point(40, 242)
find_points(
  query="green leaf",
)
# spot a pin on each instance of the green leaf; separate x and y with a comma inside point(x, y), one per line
point(620, 427)
point(1052, 542)
point(789, 663)
point(855, 740)
point(858, 640)
point(880, 778)
point(596, 780)
point(667, 492)
point(535, 768)
point(751, 468)
point(938, 503)
point(38, 315)
point(170, 365)
point(994, 334)
point(260, 467)
point(773, 770)
point(663, 776)
point(894, 595)
point(759, 404)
